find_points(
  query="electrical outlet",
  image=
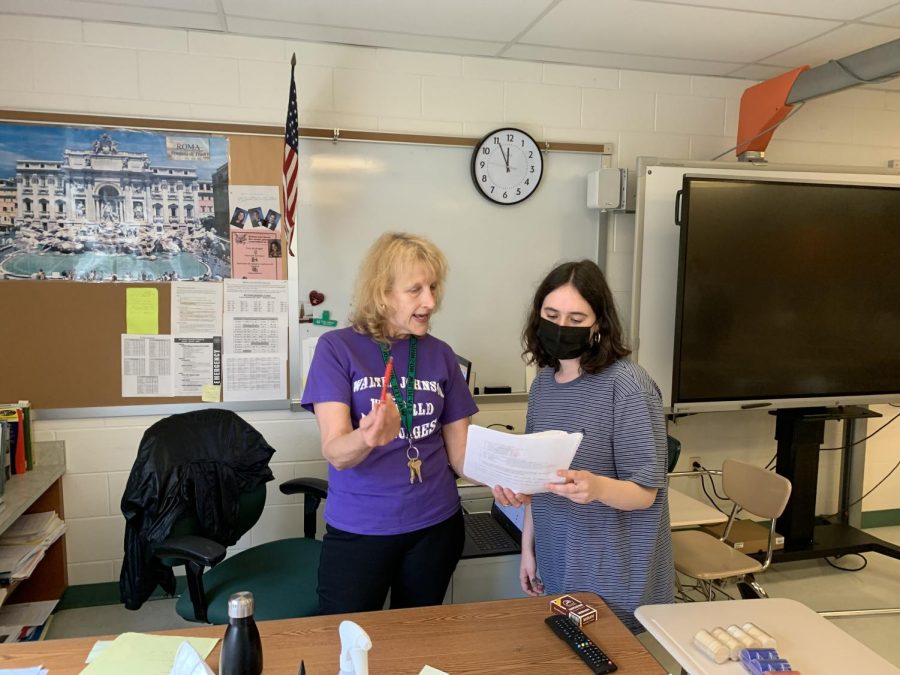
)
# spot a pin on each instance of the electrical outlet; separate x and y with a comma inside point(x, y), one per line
point(695, 462)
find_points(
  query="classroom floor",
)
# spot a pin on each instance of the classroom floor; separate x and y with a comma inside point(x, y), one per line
point(813, 582)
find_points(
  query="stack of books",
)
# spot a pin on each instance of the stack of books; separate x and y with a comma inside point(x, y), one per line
point(18, 421)
point(25, 542)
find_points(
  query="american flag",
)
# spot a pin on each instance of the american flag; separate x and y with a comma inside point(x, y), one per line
point(291, 160)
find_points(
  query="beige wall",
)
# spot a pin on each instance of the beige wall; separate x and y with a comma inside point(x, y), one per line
point(85, 67)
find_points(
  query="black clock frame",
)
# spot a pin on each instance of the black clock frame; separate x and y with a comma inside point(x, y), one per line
point(474, 160)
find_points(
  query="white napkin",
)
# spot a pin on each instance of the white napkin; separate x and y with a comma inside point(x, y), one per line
point(189, 662)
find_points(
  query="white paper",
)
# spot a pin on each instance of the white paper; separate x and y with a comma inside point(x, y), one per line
point(196, 308)
point(189, 662)
point(196, 361)
point(308, 350)
point(256, 296)
point(27, 613)
point(35, 670)
point(98, 647)
point(252, 377)
point(146, 365)
point(265, 198)
point(521, 462)
point(256, 335)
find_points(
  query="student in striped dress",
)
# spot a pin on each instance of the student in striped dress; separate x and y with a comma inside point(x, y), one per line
point(606, 529)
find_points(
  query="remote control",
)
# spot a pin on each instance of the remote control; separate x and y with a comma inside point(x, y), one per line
point(581, 644)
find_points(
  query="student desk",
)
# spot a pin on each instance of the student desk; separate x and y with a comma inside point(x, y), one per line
point(685, 511)
point(808, 641)
point(506, 636)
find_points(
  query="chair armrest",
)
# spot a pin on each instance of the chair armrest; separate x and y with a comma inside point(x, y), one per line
point(308, 486)
point(198, 550)
point(314, 490)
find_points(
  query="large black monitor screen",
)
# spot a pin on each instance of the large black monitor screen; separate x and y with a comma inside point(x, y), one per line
point(787, 290)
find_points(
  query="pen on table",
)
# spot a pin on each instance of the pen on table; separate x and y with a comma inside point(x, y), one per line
point(302, 667)
point(388, 368)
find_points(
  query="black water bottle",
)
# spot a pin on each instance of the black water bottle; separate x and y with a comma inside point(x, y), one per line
point(241, 646)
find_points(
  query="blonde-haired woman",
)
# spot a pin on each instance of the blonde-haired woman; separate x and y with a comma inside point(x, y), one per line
point(393, 513)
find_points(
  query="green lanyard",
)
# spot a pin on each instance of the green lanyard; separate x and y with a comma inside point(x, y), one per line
point(406, 408)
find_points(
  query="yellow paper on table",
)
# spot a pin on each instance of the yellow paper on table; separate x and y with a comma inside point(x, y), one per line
point(144, 654)
point(141, 311)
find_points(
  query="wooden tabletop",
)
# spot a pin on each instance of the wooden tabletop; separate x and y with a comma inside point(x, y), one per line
point(506, 636)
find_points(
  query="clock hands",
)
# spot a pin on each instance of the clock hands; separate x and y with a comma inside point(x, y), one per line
point(505, 157)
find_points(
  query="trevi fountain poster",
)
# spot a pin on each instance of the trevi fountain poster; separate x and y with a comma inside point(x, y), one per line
point(108, 204)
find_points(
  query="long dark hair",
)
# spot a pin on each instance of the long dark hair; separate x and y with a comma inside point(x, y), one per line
point(587, 278)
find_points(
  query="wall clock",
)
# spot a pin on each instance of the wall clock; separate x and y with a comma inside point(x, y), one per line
point(507, 166)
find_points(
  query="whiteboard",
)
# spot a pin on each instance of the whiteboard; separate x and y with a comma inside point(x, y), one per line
point(656, 251)
point(351, 192)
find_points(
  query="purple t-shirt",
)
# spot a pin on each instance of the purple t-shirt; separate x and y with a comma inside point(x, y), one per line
point(375, 496)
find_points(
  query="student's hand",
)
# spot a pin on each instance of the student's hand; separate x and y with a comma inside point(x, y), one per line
point(528, 578)
point(382, 425)
point(509, 498)
point(581, 487)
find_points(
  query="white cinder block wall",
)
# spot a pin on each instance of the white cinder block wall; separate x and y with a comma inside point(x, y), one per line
point(87, 67)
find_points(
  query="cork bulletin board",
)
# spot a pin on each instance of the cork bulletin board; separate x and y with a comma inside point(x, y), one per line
point(60, 340)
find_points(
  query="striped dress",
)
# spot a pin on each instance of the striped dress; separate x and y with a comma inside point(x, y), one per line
point(625, 557)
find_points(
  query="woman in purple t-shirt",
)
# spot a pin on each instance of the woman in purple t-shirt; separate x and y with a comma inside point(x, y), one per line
point(393, 514)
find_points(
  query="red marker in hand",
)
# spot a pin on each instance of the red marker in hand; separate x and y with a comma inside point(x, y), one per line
point(388, 369)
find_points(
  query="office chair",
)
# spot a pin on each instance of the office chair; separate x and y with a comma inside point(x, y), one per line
point(673, 447)
point(218, 454)
point(709, 560)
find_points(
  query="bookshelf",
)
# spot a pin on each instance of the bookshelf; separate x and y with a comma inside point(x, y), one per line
point(33, 492)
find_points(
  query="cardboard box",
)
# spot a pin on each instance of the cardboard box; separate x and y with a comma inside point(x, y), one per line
point(564, 604)
point(571, 607)
point(746, 536)
point(583, 615)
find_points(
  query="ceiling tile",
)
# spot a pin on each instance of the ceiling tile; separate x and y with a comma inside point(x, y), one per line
point(102, 11)
point(351, 36)
point(819, 9)
point(757, 71)
point(889, 17)
point(656, 29)
point(498, 20)
point(835, 45)
point(657, 64)
point(185, 5)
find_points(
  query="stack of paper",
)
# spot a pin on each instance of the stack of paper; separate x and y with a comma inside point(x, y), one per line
point(25, 542)
point(523, 463)
point(143, 654)
point(25, 621)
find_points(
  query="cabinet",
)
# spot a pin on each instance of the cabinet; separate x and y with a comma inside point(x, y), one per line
point(33, 492)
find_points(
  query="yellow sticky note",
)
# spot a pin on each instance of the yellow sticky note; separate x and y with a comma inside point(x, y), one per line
point(212, 393)
point(143, 654)
point(141, 311)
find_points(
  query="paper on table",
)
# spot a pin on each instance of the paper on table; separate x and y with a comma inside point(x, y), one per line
point(142, 654)
point(189, 662)
point(99, 646)
point(36, 670)
point(521, 462)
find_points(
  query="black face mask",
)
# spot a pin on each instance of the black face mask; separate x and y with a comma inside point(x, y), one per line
point(563, 342)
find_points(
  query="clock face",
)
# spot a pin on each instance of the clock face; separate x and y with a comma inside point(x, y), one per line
point(507, 166)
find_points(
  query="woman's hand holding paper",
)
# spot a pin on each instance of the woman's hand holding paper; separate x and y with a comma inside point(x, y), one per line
point(509, 498)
